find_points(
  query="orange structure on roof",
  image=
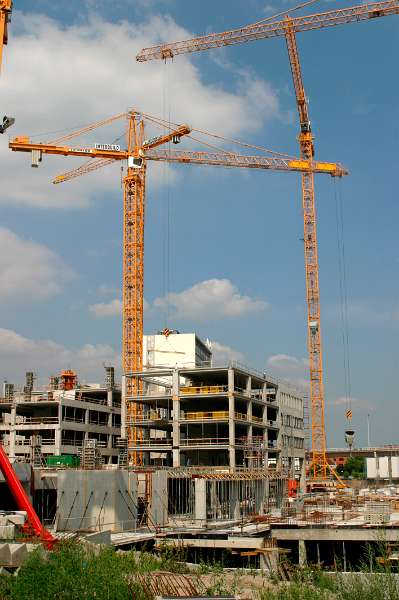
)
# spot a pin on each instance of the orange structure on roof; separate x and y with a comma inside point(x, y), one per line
point(68, 380)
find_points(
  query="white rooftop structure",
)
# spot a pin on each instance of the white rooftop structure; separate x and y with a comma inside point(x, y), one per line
point(181, 350)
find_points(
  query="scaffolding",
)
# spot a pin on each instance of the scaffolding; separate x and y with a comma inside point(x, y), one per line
point(90, 455)
point(255, 451)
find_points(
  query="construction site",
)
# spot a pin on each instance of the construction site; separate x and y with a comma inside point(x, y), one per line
point(224, 462)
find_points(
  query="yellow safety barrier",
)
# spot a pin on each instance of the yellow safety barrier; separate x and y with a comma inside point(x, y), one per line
point(207, 389)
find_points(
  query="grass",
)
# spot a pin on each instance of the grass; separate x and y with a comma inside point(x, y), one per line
point(311, 583)
point(73, 571)
point(76, 572)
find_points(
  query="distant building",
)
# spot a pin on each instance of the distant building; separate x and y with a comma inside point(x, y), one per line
point(65, 419)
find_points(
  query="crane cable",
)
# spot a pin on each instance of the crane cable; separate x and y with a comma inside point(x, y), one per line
point(284, 12)
point(343, 293)
point(166, 125)
point(170, 125)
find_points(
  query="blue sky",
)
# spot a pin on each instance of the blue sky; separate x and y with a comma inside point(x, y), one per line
point(236, 256)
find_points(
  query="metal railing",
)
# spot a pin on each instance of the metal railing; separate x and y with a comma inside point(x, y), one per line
point(73, 419)
point(204, 389)
point(187, 442)
point(218, 415)
point(153, 443)
point(39, 421)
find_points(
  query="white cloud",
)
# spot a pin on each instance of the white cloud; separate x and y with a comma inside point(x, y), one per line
point(29, 269)
point(210, 299)
point(79, 74)
point(106, 309)
point(294, 370)
point(287, 362)
point(18, 354)
point(113, 308)
point(222, 354)
point(106, 290)
point(350, 402)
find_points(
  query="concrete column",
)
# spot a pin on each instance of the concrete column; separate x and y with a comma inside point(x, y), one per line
point(234, 500)
point(249, 417)
point(260, 493)
point(302, 559)
point(176, 417)
point(214, 503)
point(249, 411)
point(269, 561)
point(123, 408)
point(232, 429)
point(87, 418)
point(265, 433)
point(249, 385)
point(58, 440)
point(302, 483)
point(109, 435)
point(109, 398)
point(264, 388)
point(200, 502)
point(230, 381)
point(232, 433)
point(13, 432)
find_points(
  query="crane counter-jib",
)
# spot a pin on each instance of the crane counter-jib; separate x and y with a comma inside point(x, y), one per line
point(98, 151)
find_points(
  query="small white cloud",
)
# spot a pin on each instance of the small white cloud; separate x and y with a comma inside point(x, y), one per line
point(19, 353)
point(29, 269)
point(210, 299)
point(221, 354)
point(110, 309)
point(106, 309)
point(107, 290)
point(287, 362)
point(350, 402)
point(290, 368)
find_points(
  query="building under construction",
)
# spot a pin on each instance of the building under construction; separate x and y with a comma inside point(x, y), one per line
point(61, 418)
point(192, 413)
point(222, 452)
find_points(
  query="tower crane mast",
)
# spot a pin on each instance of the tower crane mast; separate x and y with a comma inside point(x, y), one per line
point(319, 466)
point(288, 27)
point(5, 17)
point(138, 152)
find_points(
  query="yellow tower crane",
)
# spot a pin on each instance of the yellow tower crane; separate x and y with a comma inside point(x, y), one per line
point(137, 153)
point(287, 27)
point(5, 17)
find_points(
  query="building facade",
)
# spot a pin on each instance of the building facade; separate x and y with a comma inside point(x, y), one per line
point(65, 420)
point(214, 416)
point(292, 434)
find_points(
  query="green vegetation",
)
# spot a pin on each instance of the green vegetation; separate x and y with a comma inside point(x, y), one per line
point(354, 467)
point(73, 572)
point(311, 583)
